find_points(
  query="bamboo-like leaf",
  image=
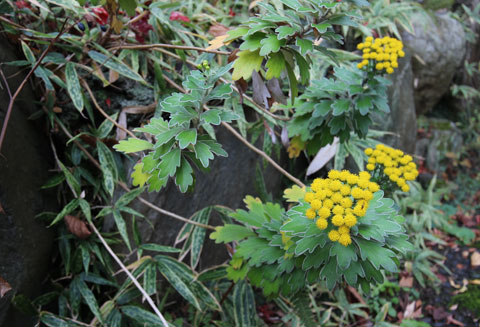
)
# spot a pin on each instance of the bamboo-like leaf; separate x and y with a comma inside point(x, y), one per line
point(73, 86)
point(122, 227)
point(243, 305)
point(116, 65)
point(109, 168)
point(141, 315)
point(198, 236)
point(89, 298)
point(177, 283)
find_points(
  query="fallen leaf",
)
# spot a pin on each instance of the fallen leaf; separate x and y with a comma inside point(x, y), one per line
point(475, 282)
point(475, 259)
point(57, 110)
point(453, 307)
point(218, 30)
point(77, 226)
point(323, 156)
point(122, 121)
point(217, 42)
point(439, 314)
point(4, 287)
point(451, 320)
point(406, 282)
point(260, 91)
point(409, 310)
point(113, 76)
point(2, 211)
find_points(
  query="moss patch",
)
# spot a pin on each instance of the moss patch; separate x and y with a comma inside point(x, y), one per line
point(438, 4)
point(469, 300)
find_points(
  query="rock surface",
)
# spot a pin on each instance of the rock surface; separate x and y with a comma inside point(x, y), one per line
point(25, 243)
point(438, 50)
point(402, 120)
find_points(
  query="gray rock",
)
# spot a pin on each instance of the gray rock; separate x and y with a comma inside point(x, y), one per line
point(445, 137)
point(438, 49)
point(402, 120)
point(25, 243)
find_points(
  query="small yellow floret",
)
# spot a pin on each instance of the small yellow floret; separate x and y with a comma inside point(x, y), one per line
point(350, 220)
point(346, 203)
point(310, 213)
point(328, 203)
point(345, 239)
point(345, 190)
point(309, 197)
point(405, 188)
point(368, 151)
point(338, 220)
point(322, 223)
point(316, 204)
point(338, 210)
point(370, 166)
point(334, 174)
point(324, 213)
point(333, 235)
point(343, 230)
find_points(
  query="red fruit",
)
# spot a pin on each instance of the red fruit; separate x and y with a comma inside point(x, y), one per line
point(108, 102)
point(176, 15)
point(101, 15)
point(22, 4)
point(231, 13)
point(141, 28)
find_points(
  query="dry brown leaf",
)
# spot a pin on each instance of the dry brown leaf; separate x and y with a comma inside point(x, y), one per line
point(451, 320)
point(218, 30)
point(406, 282)
point(260, 91)
point(57, 110)
point(113, 76)
point(217, 42)
point(77, 226)
point(2, 211)
point(4, 287)
point(117, 25)
point(475, 259)
point(122, 121)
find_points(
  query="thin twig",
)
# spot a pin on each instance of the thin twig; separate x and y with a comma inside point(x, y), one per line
point(6, 84)
point(167, 46)
point(95, 103)
point(20, 87)
point(132, 278)
point(248, 144)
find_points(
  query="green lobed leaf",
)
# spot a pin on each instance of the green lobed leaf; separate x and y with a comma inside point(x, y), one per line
point(203, 153)
point(246, 63)
point(270, 44)
point(229, 233)
point(132, 145)
point(184, 176)
point(169, 163)
point(187, 137)
point(275, 65)
point(345, 255)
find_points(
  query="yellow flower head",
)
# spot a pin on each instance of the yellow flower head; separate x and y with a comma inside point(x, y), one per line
point(333, 235)
point(383, 53)
point(310, 213)
point(322, 223)
point(345, 239)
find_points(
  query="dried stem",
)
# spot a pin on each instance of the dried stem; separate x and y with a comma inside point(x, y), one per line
point(132, 278)
point(167, 46)
point(95, 103)
point(22, 85)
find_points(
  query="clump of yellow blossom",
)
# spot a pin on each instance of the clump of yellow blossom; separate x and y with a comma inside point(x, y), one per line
point(342, 198)
point(393, 163)
point(381, 54)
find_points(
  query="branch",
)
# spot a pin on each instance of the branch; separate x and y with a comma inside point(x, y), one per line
point(132, 278)
point(95, 103)
point(167, 46)
point(21, 86)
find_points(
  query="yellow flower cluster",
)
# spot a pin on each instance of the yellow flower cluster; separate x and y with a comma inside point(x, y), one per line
point(398, 166)
point(343, 197)
point(383, 51)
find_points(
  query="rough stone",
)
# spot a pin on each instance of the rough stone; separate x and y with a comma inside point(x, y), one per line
point(25, 243)
point(444, 137)
point(438, 49)
point(402, 120)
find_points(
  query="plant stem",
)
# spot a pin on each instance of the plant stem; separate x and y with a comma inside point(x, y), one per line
point(167, 46)
point(132, 278)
